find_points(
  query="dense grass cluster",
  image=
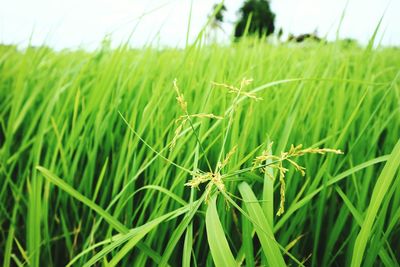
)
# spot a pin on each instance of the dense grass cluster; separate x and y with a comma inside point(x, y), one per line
point(88, 175)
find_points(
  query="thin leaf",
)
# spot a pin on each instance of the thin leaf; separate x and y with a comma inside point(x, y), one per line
point(219, 247)
point(263, 229)
point(381, 187)
point(78, 196)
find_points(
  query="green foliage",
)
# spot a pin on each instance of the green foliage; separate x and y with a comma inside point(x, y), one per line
point(219, 13)
point(256, 17)
point(89, 175)
point(219, 246)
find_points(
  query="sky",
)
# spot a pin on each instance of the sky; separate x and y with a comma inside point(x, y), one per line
point(84, 23)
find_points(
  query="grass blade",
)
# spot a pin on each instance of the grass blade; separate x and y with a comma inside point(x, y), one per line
point(219, 247)
point(263, 229)
point(381, 187)
point(117, 225)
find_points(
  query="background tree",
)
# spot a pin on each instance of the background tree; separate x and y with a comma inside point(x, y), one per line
point(262, 18)
point(216, 20)
point(217, 16)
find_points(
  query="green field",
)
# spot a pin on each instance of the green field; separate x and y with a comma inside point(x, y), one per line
point(100, 156)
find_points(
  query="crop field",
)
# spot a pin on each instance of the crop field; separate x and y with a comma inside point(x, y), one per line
point(244, 155)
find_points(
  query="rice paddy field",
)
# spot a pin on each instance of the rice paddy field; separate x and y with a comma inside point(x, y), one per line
point(184, 157)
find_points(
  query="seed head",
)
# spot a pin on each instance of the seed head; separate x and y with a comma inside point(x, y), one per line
point(294, 151)
point(228, 156)
point(234, 90)
point(180, 98)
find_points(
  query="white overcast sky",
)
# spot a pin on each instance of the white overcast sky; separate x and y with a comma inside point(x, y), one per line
point(84, 23)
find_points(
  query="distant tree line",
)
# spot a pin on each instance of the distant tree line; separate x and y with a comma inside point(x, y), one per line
point(256, 18)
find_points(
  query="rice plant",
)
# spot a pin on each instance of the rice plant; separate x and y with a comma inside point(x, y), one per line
point(170, 157)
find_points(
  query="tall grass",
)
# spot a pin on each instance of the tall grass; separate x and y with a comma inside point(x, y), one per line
point(88, 175)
